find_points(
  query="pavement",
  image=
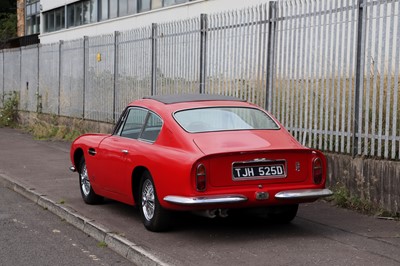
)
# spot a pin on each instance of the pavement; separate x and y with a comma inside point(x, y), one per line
point(39, 171)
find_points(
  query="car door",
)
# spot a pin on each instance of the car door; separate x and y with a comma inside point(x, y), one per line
point(117, 152)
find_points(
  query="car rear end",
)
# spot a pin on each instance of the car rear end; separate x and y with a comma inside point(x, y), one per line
point(265, 177)
point(248, 160)
point(251, 179)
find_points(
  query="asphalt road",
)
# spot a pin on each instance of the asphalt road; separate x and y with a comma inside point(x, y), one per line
point(31, 235)
point(321, 234)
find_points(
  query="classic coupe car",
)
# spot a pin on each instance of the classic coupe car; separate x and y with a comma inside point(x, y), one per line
point(201, 153)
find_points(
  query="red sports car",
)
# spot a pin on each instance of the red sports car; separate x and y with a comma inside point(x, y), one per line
point(201, 153)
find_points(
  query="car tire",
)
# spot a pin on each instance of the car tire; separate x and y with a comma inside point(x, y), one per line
point(283, 214)
point(87, 192)
point(155, 218)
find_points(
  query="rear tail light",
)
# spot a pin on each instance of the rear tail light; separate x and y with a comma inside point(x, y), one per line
point(317, 171)
point(201, 177)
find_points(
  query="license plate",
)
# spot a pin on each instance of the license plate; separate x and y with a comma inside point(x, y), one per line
point(258, 171)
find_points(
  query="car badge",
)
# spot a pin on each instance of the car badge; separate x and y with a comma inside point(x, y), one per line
point(298, 166)
point(261, 160)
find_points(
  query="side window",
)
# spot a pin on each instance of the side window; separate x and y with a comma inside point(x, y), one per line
point(134, 123)
point(152, 128)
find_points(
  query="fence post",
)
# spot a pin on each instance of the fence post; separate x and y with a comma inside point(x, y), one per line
point(153, 58)
point(270, 54)
point(59, 76)
point(359, 77)
point(203, 51)
point(20, 86)
point(2, 95)
point(85, 69)
point(38, 79)
point(116, 40)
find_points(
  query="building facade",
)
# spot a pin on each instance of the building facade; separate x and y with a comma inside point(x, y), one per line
point(72, 19)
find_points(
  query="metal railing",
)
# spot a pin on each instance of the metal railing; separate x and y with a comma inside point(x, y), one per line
point(328, 70)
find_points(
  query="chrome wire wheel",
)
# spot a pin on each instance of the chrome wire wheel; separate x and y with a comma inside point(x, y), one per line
point(85, 183)
point(87, 192)
point(148, 196)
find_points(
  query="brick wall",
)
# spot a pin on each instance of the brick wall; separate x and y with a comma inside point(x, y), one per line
point(21, 18)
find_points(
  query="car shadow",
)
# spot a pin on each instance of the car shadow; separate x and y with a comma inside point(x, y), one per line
point(240, 226)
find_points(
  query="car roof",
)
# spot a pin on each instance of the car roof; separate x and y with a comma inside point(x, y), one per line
point(181, 98)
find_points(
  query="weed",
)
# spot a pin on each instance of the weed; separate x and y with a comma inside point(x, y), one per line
point(102, 244)
point(52, 128)
point(342, 198)
point(9, 112)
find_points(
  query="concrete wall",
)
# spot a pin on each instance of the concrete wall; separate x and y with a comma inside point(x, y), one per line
point(377, 181)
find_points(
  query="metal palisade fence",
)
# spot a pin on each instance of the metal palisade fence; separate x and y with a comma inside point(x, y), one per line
point(328, 70)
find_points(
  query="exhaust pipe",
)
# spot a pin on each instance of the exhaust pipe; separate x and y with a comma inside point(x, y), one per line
point(223, 213)
point(207, 213)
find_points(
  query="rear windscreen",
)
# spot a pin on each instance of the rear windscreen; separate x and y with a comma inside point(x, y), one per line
point(223, 118)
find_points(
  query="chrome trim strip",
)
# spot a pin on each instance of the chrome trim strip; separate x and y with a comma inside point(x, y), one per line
point(304, 194)
point(217, 199)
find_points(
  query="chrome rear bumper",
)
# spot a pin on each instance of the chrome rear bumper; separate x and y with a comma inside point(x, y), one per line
point(226, 199)
point(304, 194)
point(219, 199)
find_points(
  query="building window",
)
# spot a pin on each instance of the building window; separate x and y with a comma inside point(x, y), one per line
point(93, 11)
point(32, 25)
point(88, 11)
point(103, 9)
point(113, 4)
point(82, 13)
point(54, 20)
point(156, 4)
point(132, 6)
point(59, 19)
point(144, 5)
point(123, 7)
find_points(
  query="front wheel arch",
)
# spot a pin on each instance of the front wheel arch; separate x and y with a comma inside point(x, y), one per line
point(78, 155)
point(88, 194)
point(136, 177)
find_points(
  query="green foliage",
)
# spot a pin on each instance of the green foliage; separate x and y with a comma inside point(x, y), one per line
point(342, 198)
point(43, 130)
point(102, 244)
point(8, 19)
point(9, 112)
point(8, 26)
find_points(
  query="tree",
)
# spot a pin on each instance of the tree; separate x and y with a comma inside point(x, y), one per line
point(8, 6)
point(8, 19)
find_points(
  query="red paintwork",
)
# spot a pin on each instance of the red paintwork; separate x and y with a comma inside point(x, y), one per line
point(173, 158)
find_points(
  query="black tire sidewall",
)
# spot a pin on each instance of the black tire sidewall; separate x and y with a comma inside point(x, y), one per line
point(92, 197)
point(160, 220)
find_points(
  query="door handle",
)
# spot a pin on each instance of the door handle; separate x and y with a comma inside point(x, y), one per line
point(92, 151)
point(125, 151)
